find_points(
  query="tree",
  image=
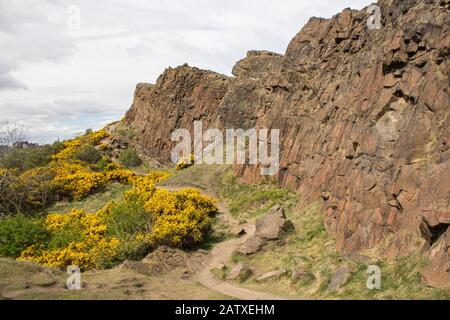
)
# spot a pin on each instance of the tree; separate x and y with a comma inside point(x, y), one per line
point(10, 134)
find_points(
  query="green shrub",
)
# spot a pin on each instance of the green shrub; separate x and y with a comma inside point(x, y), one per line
point(89, 154)
point(129, 158)
point(104, 163)
point(125, 131)
point(28, 192)
point(126, 218)
point(19, 232)
point(71, 233)
point(29, 158)
point(131, 249)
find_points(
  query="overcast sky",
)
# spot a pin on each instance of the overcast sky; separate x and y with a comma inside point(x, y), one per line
point(62, 72)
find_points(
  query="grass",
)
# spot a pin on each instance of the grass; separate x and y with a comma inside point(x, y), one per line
point(309, 248)
point(125, 131)
point(400, 279)
point(253, 200)
point(16, 276)
point(219, 233)
point(220, 273)
point(206, 177)
point(92, 203)
point(244, 201)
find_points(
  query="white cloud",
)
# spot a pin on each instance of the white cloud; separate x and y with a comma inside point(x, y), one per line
point(59, 80)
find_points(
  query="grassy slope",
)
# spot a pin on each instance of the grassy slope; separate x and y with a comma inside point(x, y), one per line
point(93, 203)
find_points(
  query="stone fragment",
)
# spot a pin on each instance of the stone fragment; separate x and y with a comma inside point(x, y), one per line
point(272, 226)
point(339, 278)
point(272, 275)
point(239, 272)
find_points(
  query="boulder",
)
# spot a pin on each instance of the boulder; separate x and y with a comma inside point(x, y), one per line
point(251, 245)
point(339, 278)
point(298, 274)
point(239, 272)
point(143, 268)
point(358, 258)
point(302, 276)
point(272, 226)
point(167, 258)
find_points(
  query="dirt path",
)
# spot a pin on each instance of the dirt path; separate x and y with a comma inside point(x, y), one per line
point(221, 253)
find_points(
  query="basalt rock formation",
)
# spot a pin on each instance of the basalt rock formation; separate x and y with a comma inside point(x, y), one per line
point(364, 120)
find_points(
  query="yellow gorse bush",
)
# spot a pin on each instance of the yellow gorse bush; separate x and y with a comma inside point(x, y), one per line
point(69, 150)
point(71, 147)
point(185, 162)
point(179, 218)
point(144, 187)
point(77, 180)
point(92, 250)
point(103, 147)
point(76, 177)
point(80, 181)
point(97, 136)
point(147, 217)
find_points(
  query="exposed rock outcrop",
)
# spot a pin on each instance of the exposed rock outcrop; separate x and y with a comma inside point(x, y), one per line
point(364, 120)
point(272, 226)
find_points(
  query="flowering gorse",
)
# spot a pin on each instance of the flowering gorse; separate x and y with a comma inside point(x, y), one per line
point(147, 217)
point(92, 248)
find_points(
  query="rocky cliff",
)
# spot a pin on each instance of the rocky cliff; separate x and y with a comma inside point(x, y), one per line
point(364, 119)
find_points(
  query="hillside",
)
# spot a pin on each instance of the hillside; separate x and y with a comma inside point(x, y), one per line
point(364, 120)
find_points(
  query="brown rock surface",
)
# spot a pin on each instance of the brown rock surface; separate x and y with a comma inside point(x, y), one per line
point(339, 278)
point(239, 272)
point(272, 226)
point(272, 274)
point(364, 120)
point(165, 259)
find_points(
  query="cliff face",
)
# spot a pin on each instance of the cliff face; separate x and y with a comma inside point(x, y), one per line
point(364, 119)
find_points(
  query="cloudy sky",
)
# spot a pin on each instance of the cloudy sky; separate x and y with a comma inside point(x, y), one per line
point(70, 65)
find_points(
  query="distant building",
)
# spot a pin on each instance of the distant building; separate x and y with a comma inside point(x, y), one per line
point(24, 145)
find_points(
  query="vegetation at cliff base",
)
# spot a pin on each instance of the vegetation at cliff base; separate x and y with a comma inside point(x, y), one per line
point(128, 227)
point(130, 158)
